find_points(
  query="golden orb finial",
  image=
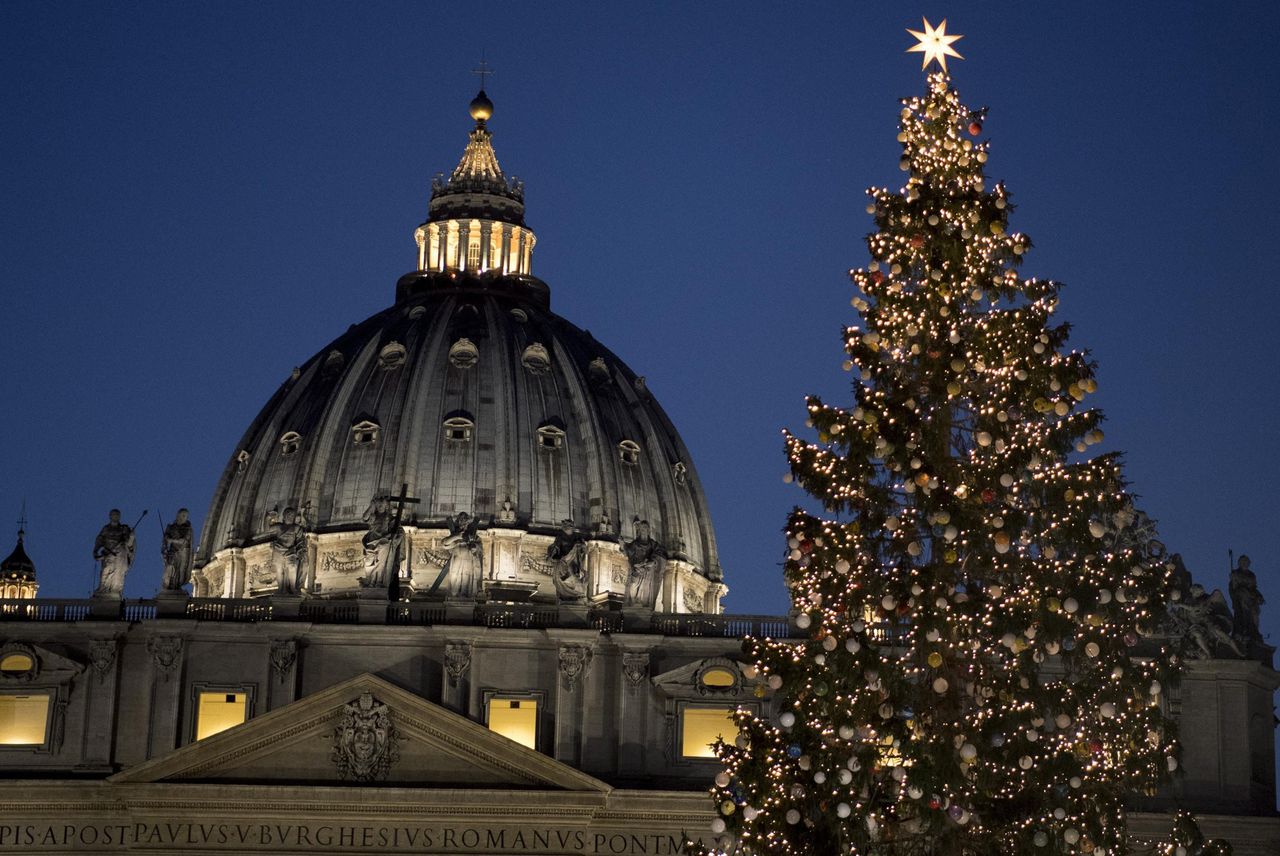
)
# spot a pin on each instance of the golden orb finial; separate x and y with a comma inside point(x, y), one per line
point(481, 108)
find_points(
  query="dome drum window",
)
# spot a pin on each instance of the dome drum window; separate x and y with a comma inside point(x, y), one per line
point(536, 359)
point(289, 443)
point(365, 432)
point(550, 436)
point(629, 452)
point(457, 429)
point(464, 353)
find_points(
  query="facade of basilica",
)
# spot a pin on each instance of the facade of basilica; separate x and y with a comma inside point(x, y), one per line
point(457, 592)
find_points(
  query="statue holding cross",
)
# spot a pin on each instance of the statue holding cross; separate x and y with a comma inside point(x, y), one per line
point(383, 543)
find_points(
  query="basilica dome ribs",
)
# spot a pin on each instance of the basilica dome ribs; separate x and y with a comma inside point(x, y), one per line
point(465, 443)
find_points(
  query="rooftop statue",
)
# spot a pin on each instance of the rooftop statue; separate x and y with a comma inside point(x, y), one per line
point(175, 551)
point(382, 543)
point(114, 549)
point(464, 569)
point(1246, 603)
point(648, 560)
point(1200, 618)
point(289, 550)
point(568, 563)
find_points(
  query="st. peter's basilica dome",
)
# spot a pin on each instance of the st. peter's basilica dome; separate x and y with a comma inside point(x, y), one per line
point(527, 445)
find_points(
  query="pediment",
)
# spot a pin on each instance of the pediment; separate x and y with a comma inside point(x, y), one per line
point(386, 736)
point(714, 676)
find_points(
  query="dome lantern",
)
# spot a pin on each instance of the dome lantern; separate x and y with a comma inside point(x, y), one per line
point(475, 220)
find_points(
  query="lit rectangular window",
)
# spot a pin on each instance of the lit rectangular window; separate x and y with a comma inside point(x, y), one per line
point(24, 719)
point(219, 710)
point(700, 727)
point(516, 719)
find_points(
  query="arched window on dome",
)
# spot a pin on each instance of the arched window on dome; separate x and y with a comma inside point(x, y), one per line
point(550, 436)
point(473, 246)
point(458, 429)
point(629, 452)
point(365, 432)
point(289, 443)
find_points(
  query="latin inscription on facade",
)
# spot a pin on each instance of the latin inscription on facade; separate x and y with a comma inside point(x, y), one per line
point(323, 837)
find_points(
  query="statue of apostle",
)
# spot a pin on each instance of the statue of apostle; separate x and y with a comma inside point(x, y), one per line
point(289, 551)
point(175, 551)
point(382, 544)
point(465, 567)
point(648, 560)
point(567, 553)
point(113, 549)
point(1246, 603)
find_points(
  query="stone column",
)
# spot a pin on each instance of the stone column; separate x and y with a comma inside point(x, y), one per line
point(166, 693)
point(234, 579)
point(633, 702)
point(100, 710)
point(575, 659)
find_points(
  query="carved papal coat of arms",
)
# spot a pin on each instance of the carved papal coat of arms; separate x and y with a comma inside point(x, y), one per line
point(364, 742)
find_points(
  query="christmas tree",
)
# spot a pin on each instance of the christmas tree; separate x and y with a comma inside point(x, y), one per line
point(975, 595)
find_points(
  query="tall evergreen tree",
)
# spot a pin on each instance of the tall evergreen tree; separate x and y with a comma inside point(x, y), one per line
point(975, 596)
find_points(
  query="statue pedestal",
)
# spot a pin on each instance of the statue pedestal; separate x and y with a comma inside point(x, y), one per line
point(637, 619)
point(510, 591)
point(574, 615)
point(105, 606)
point(459, 611)
point(286, 607)
point(371, 605)
point(610, 600)
point(171, 604)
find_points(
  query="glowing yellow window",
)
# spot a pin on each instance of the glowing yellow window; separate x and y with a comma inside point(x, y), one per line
point(718, 678)
point(16, 664)
point(24, 719)
point(218, 711)
point(515, 719)
point(701, 726)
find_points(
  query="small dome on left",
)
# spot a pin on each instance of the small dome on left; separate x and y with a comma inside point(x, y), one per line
point(18, 573)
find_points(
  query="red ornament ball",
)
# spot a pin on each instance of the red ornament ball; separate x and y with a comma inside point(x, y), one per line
point(877, 276)
point(917, 241)
point(988, 495)
point(975, 128)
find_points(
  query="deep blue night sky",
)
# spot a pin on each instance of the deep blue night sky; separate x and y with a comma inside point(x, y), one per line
point(199, 196)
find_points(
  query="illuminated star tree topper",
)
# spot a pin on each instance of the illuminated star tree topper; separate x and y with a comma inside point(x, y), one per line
point(934, 44)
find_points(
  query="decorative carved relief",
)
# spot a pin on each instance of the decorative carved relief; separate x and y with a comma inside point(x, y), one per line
point(635, 668)
point(574, 660)
point(457, 659)
point(692, 601)
point(364, 741)
point(348, 561)
point(166, 654)
point(284, 653)
point(102, 656)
